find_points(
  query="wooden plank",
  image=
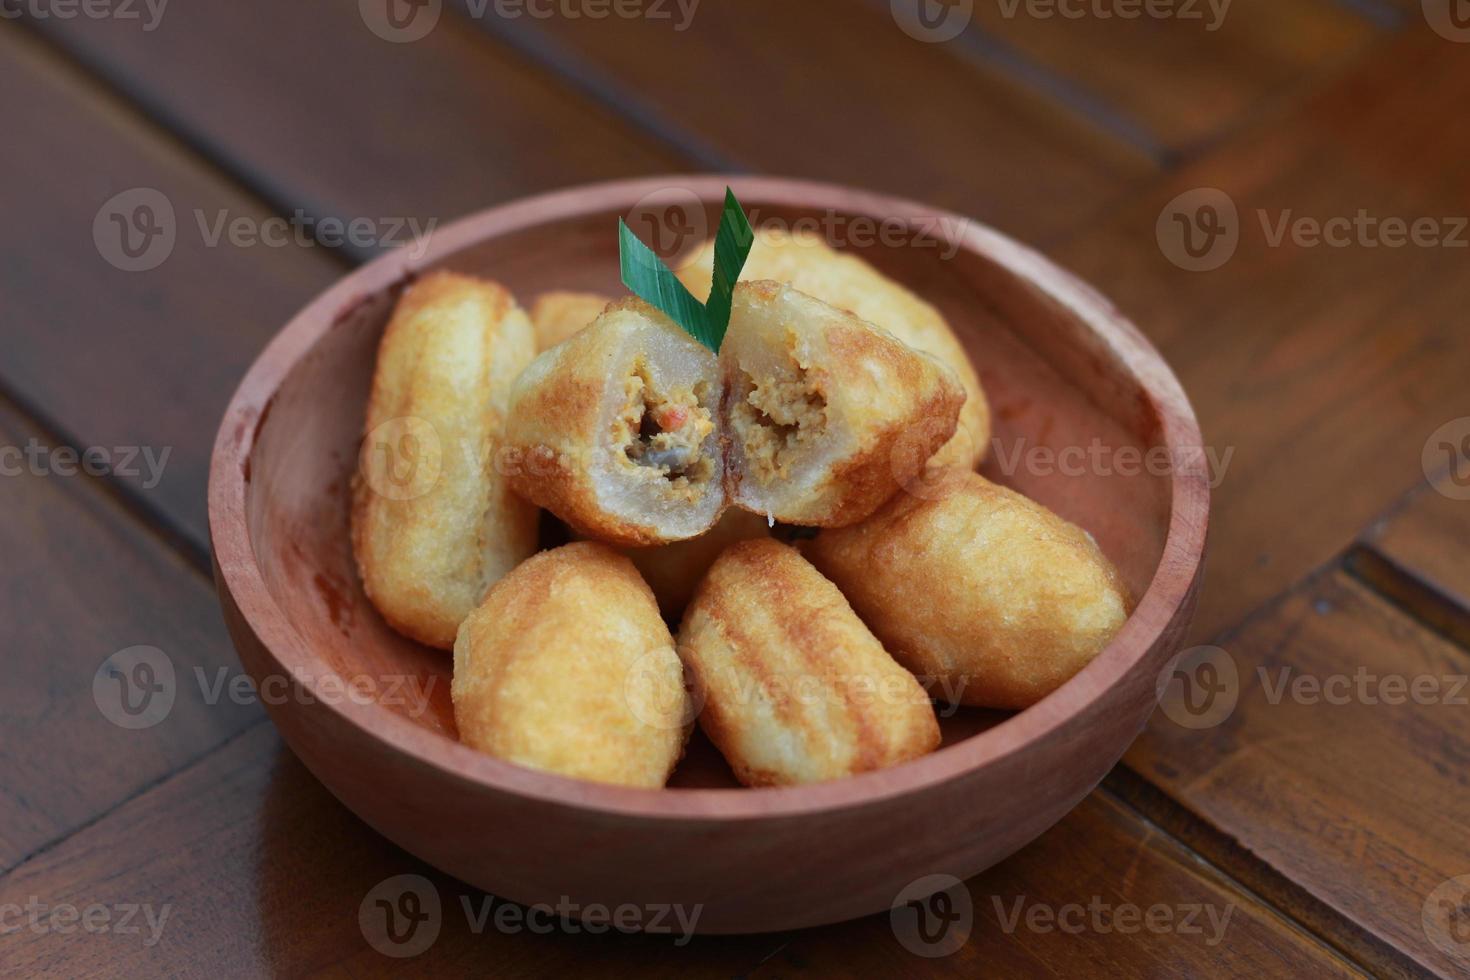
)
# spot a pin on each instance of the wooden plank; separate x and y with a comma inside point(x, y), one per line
point(121, 360)
point(1330, 772)
point(259, 867)
point(1416, 555)
point(832, 89)
point(1191, 73)
point(80, 582)
point(1319, 371)
point(434, 136)
point(1102, 894)
point(318, 112)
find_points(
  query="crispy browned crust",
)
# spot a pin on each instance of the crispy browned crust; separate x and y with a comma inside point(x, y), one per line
point(421, 588)
point(781, 660)
point(567, 667)
point(845, 281)
point(552, 434)
point(559, 314)
point(903, 403)
point(989, 597)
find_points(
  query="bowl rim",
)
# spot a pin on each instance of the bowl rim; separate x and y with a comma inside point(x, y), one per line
point(1170, 588)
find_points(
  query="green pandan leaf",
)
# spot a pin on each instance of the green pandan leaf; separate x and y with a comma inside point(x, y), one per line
point(650, 279)
point(732, 247)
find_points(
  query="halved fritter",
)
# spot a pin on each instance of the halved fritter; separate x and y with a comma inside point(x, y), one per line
point(614, 430)
point(828, 416)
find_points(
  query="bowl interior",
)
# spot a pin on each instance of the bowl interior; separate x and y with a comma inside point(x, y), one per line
point(1073, 429)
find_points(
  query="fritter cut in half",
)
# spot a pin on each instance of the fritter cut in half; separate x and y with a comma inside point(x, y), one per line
point(827, 415)
point(844, 280)
point(615, 430)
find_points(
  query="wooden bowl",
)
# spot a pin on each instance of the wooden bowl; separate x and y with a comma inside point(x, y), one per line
point(1062, 369)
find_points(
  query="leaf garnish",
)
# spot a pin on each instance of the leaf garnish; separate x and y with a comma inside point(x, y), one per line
point(732, 247)
point(649, 278)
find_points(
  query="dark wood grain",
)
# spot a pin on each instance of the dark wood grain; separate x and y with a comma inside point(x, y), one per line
point(1074, 904)
point(1221, 70)
point(833, 90)
point(1337, 786)
point(261, 869)
point(116, 359)
point(1417, 556)
point(1322, 369)
point(81, 580)
point(318, 112)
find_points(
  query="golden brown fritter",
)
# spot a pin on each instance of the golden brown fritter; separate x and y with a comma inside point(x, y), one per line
point(433, 523)
point(847, 282)
point(795, 687)
point(989, 597)
point(558, 315)
point(567, 667)
point(614, 430)
point(827, 415)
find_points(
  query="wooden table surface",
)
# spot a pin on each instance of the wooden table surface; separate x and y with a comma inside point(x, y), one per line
point(1317, 823)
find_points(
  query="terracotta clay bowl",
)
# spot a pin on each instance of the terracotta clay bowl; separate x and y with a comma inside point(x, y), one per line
point(1063, 371)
